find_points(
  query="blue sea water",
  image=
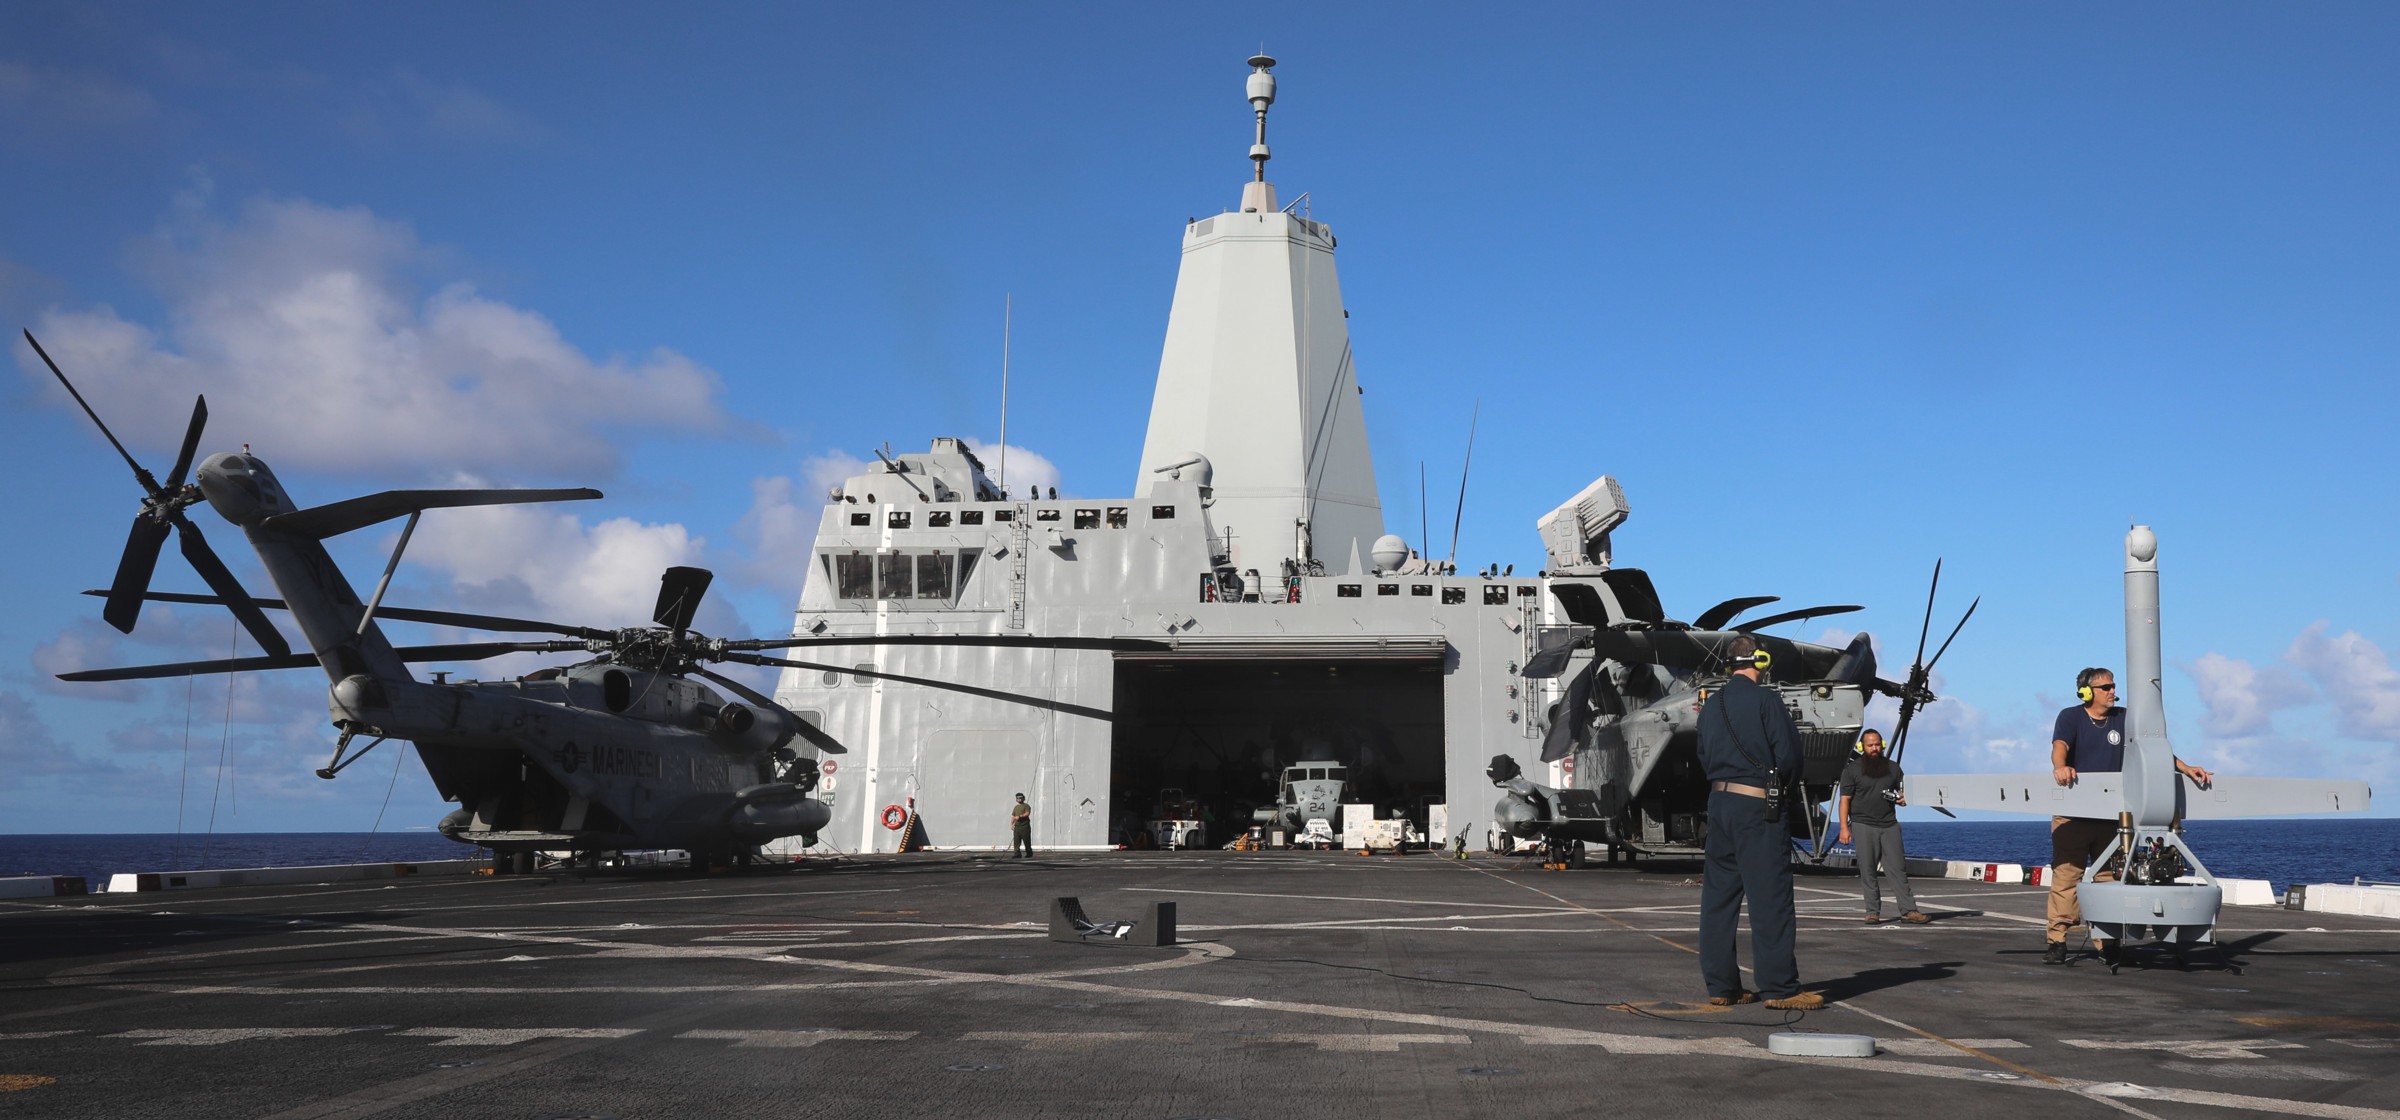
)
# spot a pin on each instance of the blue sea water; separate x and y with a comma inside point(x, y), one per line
point(2282, 852)
point(96, 856)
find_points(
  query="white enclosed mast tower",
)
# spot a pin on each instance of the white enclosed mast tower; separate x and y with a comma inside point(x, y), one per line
point(1256, 390)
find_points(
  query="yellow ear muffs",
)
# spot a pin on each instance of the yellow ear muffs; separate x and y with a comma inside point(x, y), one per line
point(2083, 692)
point(1762, 659)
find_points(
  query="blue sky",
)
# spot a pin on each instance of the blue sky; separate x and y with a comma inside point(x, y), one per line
point(1833, 289)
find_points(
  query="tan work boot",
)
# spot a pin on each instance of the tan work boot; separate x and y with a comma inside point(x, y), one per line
point(1874, 919)
point(1737, 997)
point(1915, 918)
point(1805, 1001)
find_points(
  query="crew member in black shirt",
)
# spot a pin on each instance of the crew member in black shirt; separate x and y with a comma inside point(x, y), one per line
point(2088, 738)
point(1749, 745)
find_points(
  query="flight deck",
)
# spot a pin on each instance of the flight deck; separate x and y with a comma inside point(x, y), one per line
point(1303, 984)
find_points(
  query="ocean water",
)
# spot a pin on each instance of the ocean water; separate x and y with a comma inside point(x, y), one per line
point(2281, 851)
point(96, 856)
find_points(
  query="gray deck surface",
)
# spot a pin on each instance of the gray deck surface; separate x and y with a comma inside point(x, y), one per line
point(1317, 985)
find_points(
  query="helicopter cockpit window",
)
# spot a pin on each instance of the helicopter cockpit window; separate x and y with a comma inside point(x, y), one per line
point(933, 576)
point(1316, 773)
point(892, 575)
point(854, 576)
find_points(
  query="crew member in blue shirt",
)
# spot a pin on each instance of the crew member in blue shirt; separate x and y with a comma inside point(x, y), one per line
point(2088, 738)
point(1748, 745)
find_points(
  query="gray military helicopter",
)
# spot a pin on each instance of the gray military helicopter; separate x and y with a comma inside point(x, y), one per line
point(1629, 721)
point(622, 751)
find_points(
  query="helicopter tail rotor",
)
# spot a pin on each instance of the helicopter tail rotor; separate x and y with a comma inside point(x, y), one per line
point(162, 509)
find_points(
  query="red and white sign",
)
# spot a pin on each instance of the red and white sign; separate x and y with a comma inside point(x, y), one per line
point(830, 766)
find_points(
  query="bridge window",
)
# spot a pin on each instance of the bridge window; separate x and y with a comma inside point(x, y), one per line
point(1345, 591)
point(933, 576)
point(1118, 517)
point(1045, 515)
point(1387, 589)
point(971, 517)
point(1004, 515)
point(1453, 596)
point(1420, 589)
point(892, 576)
point(1087, 519)
point(854, 576)
point(1495, 595)
point(863, 520)
point(897, 519)
point(938, 519)
point(1162, 513)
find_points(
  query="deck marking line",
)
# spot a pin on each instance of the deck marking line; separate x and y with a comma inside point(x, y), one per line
point(787, 1040)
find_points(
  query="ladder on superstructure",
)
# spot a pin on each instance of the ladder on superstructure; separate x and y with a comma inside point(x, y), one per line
point(1021, 538)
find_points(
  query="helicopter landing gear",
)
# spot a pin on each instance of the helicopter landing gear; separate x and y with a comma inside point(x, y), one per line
point(343, 744)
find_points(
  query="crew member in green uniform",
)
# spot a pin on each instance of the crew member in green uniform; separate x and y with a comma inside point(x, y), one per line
point(1020, 827)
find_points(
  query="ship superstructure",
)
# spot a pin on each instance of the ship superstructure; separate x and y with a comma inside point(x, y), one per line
point(1252, 542)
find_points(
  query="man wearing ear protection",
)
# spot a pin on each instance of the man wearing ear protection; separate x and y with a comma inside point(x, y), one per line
point(1749, 749)
point(1871, 790)
point(2088, 738)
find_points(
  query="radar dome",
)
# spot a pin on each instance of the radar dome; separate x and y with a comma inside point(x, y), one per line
point(1390, 552)
point(2141, 544)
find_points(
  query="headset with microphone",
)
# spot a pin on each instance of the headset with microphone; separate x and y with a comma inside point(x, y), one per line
point(2083, 683)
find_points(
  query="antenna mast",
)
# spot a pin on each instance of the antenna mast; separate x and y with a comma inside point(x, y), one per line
point(1262, 94)
point(1461, 515)
point(1008, 313)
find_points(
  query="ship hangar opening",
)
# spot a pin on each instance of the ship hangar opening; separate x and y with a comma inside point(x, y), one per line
point(1220, 725)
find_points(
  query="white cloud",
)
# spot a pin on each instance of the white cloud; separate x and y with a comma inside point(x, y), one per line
point(2356, 675)
point(51, 100)
point(2239, 700)
point(26, 745)
point(458, 111)
point(301, 323)
point(533, 558)
point(1026, 467)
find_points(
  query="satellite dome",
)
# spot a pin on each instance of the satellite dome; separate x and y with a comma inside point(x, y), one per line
point(1389, 552)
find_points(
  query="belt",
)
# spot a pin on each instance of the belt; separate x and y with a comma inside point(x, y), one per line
point(1737, 787)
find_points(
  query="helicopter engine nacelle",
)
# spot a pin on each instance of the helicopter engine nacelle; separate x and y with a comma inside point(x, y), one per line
point(353, 696)
point(741, 725)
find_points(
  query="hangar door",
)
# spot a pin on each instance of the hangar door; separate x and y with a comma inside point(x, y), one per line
point(1219, 719)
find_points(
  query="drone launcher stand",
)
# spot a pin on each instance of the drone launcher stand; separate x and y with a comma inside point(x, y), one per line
point(2146, 901)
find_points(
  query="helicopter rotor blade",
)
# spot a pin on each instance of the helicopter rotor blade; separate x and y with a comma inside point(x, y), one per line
point(1962, 624)
point(950, 686)
point(1115, 645)
point(500, 623)
point(212, 571)
point(679, 592)
point(193, 668)
point(149, 483)
point(1715, 618)
point(134, 569)
point(817, 737)
point(477, 651)
point(191, 444)
point(1758, 624)
point(1927, 627)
